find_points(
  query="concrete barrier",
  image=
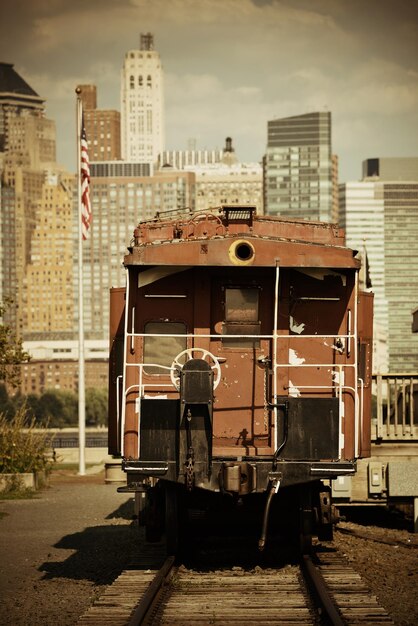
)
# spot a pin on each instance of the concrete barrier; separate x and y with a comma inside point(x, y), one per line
point(114, 473)
point(92, 455)
point(25, 480)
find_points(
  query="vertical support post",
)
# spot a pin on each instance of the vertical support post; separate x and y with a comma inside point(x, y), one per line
point(81, 374)
point(125, 368)
point(411, 406)
point(388, 405)
point(355, 385)
point(379, 399)
point(403, 407)
point(274, 364)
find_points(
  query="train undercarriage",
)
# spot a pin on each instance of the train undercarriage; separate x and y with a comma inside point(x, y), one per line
point(291, 516)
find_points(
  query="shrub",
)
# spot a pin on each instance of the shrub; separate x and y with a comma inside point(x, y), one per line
point(24, 447)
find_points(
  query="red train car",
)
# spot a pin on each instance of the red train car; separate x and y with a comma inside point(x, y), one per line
point(240, 369)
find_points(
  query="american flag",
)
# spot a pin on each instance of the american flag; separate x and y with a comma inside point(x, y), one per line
point(85, 185)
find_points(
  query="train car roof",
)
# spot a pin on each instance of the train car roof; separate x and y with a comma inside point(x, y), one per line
point(237, 236)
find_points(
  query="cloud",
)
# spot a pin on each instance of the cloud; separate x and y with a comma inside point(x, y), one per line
point(231, 65)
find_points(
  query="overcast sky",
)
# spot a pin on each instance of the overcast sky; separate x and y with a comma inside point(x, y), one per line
point(230, 66)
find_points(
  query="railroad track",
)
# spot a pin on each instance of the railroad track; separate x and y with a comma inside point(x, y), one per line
point(324, 589)
point(410, 544)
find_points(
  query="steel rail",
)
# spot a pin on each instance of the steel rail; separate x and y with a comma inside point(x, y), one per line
point(142, 610)
point(317, 584)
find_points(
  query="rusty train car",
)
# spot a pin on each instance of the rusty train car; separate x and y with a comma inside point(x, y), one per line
point(240, 371)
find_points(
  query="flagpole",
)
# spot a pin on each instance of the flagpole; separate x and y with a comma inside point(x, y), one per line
point(81, 374)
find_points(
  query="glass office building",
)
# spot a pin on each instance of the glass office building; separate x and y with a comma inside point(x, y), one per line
point(298, 167)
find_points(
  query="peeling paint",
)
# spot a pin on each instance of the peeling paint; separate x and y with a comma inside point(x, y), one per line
point(295, 327)
point(293, 391)
point(294, 359)
point(338, 377)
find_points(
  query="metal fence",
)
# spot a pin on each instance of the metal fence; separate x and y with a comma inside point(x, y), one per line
point(395, 416)
point(59, 441)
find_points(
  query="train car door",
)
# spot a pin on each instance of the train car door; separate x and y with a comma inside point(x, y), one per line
point(242, 314)
point(160, 318)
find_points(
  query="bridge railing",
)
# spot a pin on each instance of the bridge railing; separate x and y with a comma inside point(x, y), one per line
point(395, 412)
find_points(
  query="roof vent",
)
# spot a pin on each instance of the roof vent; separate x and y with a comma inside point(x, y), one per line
point(243, 214)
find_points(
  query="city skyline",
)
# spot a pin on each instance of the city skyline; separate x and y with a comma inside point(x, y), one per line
point(232, 66)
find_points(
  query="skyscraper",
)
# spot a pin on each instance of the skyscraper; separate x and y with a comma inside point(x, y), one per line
point(27, 152)
point(380, 217)
point(16, 98)
point(102, 127)
point(38, 231)
point(49, 289)
point(299, 168)
point(142, 103)
point(123, 194)
point(220, 177)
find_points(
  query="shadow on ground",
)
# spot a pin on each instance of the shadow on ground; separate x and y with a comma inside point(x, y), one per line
point(99, 553)
point(379, 516)
point(124, 511)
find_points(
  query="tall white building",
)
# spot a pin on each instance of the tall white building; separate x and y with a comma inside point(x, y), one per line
point(380, 214)
point(362, 217)
point(142, 102)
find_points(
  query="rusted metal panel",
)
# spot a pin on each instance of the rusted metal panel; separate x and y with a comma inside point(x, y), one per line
point(267, 253)
point(365, 332)
point(220, 222)
point(274, 303)
point(116, 326)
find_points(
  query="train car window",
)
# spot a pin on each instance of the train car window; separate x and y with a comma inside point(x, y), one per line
point(241, 305)
point(163, 350)
point(241, 317)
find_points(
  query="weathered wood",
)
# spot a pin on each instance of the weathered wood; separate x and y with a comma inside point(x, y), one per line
point(241, 597)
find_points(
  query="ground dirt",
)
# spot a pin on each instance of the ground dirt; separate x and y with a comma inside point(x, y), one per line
point(60, 550)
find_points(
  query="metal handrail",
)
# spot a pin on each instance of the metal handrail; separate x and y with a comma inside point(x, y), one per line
point(336, 385)
point(395, 417)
